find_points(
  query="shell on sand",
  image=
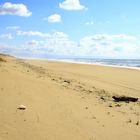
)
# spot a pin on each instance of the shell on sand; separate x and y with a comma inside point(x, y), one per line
point(22, 107)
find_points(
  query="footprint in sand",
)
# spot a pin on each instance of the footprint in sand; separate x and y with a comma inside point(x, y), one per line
point(2, 89)
point(137, 123)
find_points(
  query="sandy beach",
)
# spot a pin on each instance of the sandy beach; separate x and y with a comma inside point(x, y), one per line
point(67, 101)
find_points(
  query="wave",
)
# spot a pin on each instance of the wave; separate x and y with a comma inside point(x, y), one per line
point(128, 63)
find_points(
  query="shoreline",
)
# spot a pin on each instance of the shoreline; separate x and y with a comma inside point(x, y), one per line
point(86, 63)
point(76, 62)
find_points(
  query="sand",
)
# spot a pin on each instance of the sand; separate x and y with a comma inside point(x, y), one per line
point(65, 101)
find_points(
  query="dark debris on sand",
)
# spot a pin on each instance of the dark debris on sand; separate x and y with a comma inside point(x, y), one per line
point(126, 99)
point(2, 60)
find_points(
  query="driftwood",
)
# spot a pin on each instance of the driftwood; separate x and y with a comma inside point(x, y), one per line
point(124, 99)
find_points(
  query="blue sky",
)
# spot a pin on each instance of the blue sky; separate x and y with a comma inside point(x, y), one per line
point(70, 28)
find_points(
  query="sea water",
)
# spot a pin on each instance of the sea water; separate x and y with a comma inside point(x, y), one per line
point(130, 63)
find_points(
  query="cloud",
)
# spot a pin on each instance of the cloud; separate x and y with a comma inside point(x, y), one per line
point(32, 43)
point(59, 35)
point(102, 37)
point(54, 18)
point(14, 9)
point(71, 5)
point(124, 37)
point(6, 36)
point(109, 46)
point(41, 34)
point(32, 33)
point(57, 43)
point(12, 27)
point(96, 46)
point(89, 23)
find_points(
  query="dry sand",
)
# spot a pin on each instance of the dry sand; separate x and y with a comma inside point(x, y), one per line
point(66, 101)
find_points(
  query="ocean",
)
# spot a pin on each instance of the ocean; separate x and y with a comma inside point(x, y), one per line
point(128, 63)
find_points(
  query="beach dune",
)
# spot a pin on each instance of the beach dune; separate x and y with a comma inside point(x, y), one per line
point(49, 100)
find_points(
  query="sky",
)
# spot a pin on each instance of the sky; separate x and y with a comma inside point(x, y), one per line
point(70, 28)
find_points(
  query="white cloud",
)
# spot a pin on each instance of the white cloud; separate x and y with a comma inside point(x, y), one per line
point(12, 27)
point(56, 44)
point(96, 46)
point(14, 9)
point(54, 18)
point(71, 5)
point(32, 33)
point(59, 35)
point(33, 43)
point(6, 36)
point(89, 23)
point(101, 37)
point(109, 46)
point(123, 36)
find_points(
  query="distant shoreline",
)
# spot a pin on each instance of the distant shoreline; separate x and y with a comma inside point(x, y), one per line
point(87, 63)
point(74, 60)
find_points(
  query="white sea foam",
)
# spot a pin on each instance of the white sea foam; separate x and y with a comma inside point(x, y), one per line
point(121, 63)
